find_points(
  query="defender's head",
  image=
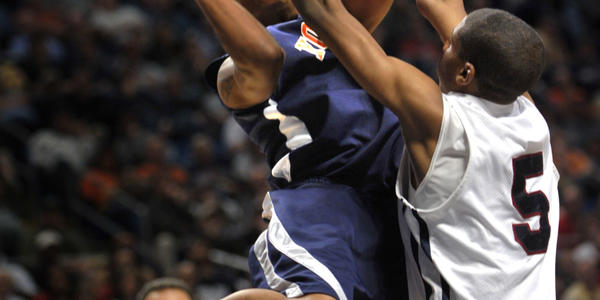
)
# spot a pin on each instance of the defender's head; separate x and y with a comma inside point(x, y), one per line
point(369, 12)
point(492, 54)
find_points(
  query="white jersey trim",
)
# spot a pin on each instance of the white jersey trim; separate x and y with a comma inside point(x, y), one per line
point(296, 133)
point(282, 241)
point(407, 160)
point(274, 281)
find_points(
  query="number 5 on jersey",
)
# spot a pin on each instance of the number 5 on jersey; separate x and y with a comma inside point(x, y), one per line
point(530, 204)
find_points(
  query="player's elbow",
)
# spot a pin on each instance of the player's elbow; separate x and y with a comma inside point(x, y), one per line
point(425, 6)
point(266, 59)
point(274, 57)
point(275, 62)
point(270, 63)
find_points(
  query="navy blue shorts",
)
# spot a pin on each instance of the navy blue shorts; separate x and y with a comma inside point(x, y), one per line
point(322, 238)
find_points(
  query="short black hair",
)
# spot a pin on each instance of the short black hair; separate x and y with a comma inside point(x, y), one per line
point(508, 55)
point(163, 284)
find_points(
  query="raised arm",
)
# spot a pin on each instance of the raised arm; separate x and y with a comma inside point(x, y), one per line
point(444, 15)
point(251, 73)
point(413, 96)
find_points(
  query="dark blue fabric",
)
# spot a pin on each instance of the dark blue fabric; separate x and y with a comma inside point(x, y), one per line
point(356, 141)
point(340, 229)
point(256, 271)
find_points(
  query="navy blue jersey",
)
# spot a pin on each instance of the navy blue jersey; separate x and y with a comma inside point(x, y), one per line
point(319, 123)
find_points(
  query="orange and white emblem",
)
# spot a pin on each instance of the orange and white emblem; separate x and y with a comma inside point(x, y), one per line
point(309, 42)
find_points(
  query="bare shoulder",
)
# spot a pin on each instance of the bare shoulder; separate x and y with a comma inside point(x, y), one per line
point(242, 87)
point(225, 81)
point(528, 96)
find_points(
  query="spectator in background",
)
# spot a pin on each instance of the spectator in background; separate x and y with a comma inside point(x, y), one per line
point(165, 289)
point(58, 283)
point(69, 141)
point(586, 286)
point(117, 20)
point(6, 286)
point(133, 69)
point(207, 280)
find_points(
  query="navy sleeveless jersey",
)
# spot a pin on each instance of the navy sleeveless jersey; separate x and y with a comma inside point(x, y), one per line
point(319, 123)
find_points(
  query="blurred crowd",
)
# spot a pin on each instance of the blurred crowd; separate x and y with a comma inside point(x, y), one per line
point(118, 164)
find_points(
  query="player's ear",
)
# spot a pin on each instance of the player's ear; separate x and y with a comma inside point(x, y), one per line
point(465, 75)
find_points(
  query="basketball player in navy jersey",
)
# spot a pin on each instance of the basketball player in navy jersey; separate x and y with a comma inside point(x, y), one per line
point(332, 149)
point(478, 182)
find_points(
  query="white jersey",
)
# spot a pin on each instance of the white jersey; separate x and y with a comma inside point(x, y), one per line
point(483, 223)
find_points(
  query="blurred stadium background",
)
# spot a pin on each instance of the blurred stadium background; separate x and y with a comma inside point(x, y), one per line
point(118, 164)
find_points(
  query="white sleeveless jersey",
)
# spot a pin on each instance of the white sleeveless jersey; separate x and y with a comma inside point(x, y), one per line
point(491, 232)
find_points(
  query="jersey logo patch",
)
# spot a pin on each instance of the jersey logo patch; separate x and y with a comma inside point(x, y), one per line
point(309, 42)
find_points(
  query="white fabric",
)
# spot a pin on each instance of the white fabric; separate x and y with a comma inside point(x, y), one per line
point(282, 241)
point(49, 147)
point(449, 162)
point(277, 235)
point(297, 136)
point(469, 232)
point(274, 281)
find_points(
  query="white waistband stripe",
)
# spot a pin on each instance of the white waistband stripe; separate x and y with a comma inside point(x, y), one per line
point(274, 281)
point(282, 241)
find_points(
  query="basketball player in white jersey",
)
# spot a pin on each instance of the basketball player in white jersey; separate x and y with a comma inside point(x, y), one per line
point(478, 184)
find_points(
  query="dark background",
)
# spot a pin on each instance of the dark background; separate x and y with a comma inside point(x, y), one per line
point(119, 165)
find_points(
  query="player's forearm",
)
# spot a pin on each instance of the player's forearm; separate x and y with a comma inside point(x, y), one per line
point(243, 37)
point(351, 43)
point(443, 15)
point(412, 95)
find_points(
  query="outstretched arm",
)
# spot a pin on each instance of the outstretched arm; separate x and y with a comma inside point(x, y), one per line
point(413, 96)
point(251, 73)
point(444, 15)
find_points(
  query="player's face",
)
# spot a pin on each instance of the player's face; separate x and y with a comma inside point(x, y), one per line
point(450, 64)
point(270, 12)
